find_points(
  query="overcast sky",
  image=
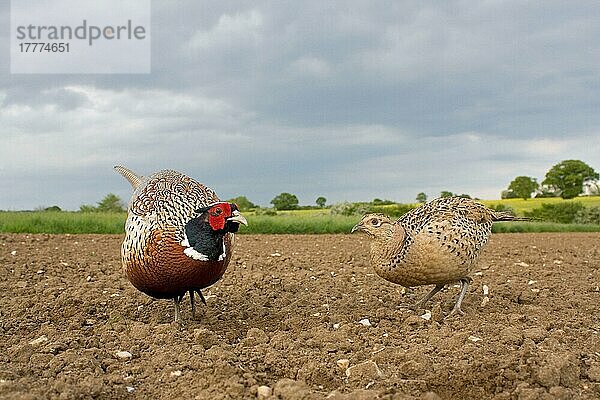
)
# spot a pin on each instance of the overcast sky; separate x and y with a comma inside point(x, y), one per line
point(349, 100)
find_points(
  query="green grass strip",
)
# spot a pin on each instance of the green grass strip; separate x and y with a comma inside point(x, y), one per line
point(290, 223)
point(61, 222)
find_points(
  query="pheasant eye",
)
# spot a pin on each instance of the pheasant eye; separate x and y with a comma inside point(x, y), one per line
point(374, 221)
point(217, 211)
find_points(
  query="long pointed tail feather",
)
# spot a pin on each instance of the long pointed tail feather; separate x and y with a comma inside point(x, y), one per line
point(128, 174)
point(506, 216)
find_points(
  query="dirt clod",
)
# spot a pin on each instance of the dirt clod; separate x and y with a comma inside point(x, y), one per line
point(364, 372)
point(290, 389)
point(594, 372)
point(263, 392)
point(561, 369)
point(537, 334)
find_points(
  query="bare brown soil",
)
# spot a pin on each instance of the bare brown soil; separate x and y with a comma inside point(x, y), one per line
point(287, 315)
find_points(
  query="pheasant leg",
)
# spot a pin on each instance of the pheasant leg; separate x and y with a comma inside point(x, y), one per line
point(193, 303)
point(201, 297)
point(464, 285)
point(428, 296)
point(176, 301)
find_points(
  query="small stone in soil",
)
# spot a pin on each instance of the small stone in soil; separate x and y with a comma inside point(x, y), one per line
point(123, 355)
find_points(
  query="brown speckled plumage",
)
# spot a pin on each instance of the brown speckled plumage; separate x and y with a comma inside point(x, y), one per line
point(436, 243)
point(153, 249)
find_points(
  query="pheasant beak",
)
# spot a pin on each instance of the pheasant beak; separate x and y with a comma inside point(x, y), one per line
point(357, 227)
point(237, 217)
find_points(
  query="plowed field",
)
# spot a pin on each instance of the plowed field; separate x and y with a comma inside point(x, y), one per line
point(300, 317)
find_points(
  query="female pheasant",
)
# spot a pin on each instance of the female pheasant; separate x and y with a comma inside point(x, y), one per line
point(178, 236)
point(436, 243)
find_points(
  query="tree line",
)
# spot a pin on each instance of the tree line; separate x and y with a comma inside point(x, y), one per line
point(567, 179)
point(283, 201)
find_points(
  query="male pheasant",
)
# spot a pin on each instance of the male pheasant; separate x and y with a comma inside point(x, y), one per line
point(178, 236)
point(436, 243)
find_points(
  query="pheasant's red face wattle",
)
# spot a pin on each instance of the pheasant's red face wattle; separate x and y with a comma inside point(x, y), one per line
point(217, 215)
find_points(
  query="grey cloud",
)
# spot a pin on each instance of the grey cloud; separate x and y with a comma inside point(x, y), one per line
point(347, 99)
point(61, 97)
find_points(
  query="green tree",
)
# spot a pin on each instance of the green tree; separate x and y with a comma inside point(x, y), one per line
point(446, 193)
point(321, 201)
point(568, 177)
point(523, 186)
point(285, 201)
point(87, 208)
point(421, 198)
point(379, 202)
point(110, 203)
point(243, 203)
